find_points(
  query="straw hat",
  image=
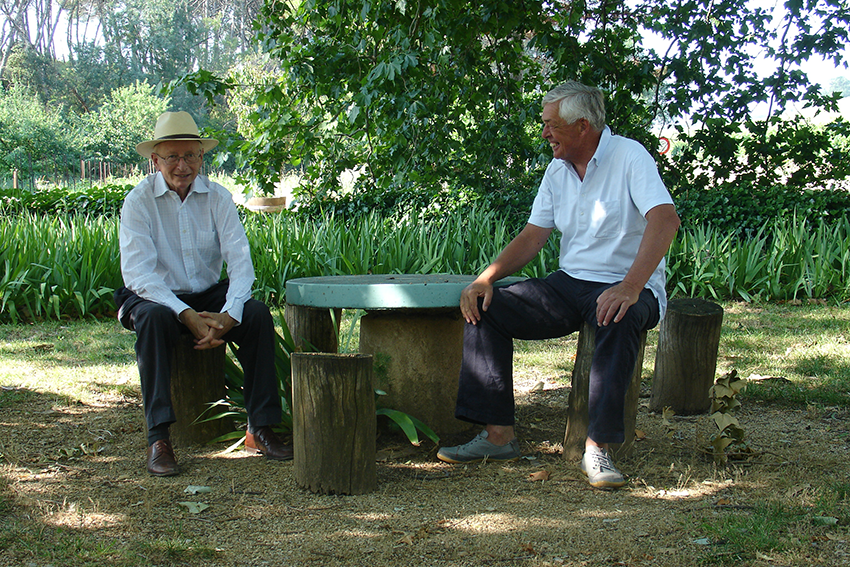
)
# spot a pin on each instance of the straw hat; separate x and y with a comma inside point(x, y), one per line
point(175, 126)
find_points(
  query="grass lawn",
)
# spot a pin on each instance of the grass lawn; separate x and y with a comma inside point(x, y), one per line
point(73, 491)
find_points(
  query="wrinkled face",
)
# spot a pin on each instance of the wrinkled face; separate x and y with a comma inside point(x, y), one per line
point(563, 138)
point(187, 158)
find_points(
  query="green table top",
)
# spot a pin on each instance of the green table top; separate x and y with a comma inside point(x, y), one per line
point(381, 291)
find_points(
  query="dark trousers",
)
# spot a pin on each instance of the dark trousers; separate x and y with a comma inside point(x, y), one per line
point(157, 331)
point(542, 309)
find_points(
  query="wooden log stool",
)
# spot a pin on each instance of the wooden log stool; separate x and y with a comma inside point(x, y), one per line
point(577, 416)
point(197, 379)
point(334, 423)
point(688, 341)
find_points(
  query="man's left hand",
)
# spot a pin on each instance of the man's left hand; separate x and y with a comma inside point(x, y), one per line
point(612, 304)
point(224, 322)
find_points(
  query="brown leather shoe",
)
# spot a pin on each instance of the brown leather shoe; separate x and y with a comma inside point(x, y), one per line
point(161, 461)
point(264, 440)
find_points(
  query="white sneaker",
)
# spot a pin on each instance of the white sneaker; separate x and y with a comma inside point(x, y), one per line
point(599, 468)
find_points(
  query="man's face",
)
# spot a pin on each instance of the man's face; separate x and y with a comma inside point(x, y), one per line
point(180, 174)
point(563, 138)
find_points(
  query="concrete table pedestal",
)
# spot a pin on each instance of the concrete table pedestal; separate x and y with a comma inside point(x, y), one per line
point(417, 362)
point(413, 329)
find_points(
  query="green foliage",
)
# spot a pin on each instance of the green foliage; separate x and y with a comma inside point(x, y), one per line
point(784, 259)
point(55, 266)
point(127, 117)
point(445, 94)
point(32, 134)
point(408, 424)
point(744, 208)
point(96, 200)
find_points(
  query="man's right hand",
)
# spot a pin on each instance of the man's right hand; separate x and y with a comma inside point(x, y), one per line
point(201, 328)
point(469, 300)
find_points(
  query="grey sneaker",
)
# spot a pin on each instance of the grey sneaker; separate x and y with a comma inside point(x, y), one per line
point(479, 449)
point(600, 470)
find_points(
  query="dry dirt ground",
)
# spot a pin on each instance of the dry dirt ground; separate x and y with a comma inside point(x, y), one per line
point(80, 468)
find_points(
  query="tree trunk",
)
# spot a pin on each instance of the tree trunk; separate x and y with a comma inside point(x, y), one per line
point(577, 413)
point(312, 328)
point(334, 423)
point(688, 340)
point(197, 378)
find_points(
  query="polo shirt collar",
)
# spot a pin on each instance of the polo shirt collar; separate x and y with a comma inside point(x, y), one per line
point(601, 149)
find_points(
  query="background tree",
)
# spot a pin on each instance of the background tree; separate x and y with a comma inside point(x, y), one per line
point(444, 94)
point(129, 115)
point(33, 136)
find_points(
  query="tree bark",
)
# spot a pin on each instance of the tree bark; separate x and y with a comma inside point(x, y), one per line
point(197, 379)
point(334, 423)
point(577, 413)
point(688, 341)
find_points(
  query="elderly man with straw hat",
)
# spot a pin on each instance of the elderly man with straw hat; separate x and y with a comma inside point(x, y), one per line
point(177, 230)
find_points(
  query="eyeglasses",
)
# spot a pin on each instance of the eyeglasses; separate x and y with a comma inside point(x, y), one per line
point(190, 159)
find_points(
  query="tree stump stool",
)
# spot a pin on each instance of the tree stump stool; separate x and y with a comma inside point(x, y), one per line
point(313, 328)
point(688, 341)
point(197, 379)
point(577, 416)
point(334, 423)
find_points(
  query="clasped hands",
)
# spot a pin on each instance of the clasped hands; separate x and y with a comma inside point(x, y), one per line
point(207, 328)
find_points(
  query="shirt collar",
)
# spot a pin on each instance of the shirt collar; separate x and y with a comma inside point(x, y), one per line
point(604, 140)
point(160, 187)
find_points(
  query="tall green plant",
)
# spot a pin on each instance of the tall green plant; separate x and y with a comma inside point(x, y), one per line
point(233, 405)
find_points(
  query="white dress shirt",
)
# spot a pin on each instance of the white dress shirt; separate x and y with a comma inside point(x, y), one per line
point(171, 247)
point(602, 218)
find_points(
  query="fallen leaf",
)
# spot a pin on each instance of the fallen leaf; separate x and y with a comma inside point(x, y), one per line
point(723, 502)
point(196, 489)
point(640, 434)
point(539, 387)
point(825, 520)
point(539, 475)
point(194, 507)
point(702, 541)
point(760, 378)
point(795, 490)
point(528, 548)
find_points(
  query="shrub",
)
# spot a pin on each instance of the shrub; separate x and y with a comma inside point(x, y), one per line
point(97, 200)
point(744, 208)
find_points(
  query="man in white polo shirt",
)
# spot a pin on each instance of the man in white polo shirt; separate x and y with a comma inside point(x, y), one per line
point(177, 231)
point(604, 195)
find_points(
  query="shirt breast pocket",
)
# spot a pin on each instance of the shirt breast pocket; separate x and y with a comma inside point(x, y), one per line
point(207, 241)
point(605, 221)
